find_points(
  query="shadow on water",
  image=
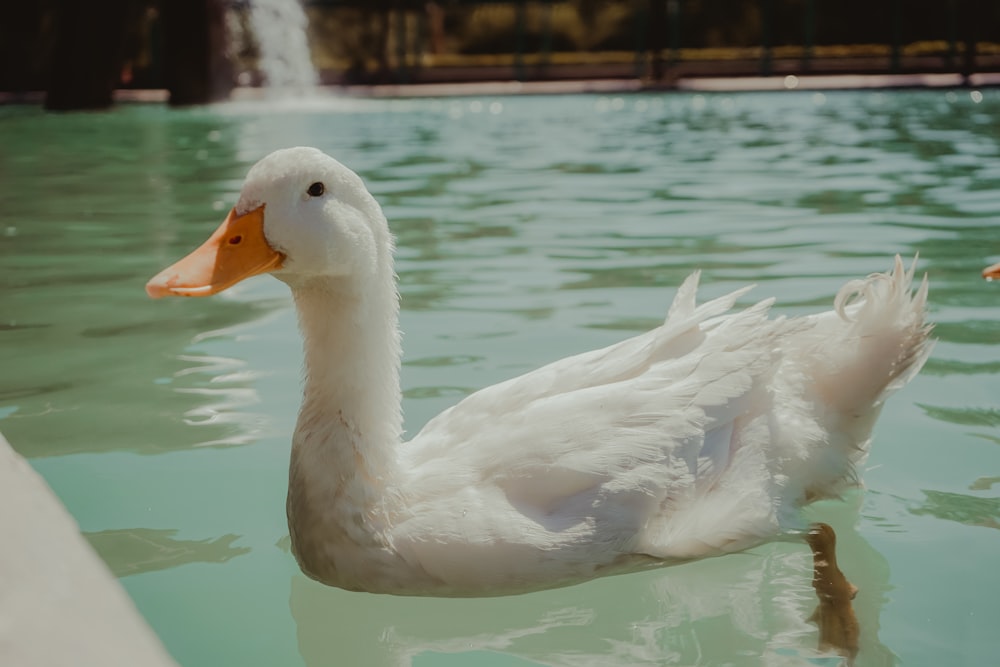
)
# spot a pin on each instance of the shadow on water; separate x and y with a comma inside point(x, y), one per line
point(966, 509)
point(137, 550)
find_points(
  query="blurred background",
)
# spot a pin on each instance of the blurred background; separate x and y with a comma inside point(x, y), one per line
point(199, 50)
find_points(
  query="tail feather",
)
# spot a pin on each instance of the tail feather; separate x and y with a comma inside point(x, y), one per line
point(883, 342)
point(842, 368)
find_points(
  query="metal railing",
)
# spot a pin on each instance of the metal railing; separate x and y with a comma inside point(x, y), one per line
point(665, 35)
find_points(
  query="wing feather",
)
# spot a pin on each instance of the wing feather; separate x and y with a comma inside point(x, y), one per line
point(600, 441)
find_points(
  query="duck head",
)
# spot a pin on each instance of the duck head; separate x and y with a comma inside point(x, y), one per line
point(301, 215)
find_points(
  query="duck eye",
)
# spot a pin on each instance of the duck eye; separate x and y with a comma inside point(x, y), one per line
point(316, 189)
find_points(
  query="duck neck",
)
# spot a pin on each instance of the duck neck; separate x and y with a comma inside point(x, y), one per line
point(343, 462)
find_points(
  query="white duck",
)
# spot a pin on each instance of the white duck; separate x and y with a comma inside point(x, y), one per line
point(701, 437)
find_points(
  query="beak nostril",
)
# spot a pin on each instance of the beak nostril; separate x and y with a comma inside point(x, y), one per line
point(235, 240)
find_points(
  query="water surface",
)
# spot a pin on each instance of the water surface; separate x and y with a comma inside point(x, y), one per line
point(528, 228)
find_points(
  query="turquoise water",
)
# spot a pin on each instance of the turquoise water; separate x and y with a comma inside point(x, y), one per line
point(528, 228)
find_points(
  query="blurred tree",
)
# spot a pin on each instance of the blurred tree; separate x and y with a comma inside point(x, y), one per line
point(196, 68)
point(972, 18)
point(657, 35)
point(25, 40)
point(79, 51)
point(88, 53)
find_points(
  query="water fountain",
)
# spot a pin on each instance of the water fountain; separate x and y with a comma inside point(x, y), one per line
point(284, 60)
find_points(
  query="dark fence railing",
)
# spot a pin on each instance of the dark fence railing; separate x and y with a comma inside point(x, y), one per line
point(671, 37)
point(79, 52)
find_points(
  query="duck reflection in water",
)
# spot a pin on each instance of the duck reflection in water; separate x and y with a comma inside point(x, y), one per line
point(751, 609)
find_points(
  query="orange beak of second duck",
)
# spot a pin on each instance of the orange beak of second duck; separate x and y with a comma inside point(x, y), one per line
point(992, 272)
point(237, 250)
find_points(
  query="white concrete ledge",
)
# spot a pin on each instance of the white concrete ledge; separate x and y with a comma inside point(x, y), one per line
point(59, 604)
point(728, 84)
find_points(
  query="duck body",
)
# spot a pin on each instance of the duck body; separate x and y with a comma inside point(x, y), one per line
point(702, 437)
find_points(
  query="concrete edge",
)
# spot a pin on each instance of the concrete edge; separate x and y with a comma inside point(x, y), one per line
point(721, 84)
point(59, 603)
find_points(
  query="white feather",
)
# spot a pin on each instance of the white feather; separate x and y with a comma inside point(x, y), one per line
point(701, 437)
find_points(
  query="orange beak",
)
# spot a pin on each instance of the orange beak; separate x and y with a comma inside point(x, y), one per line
point(992, 272)
point(237, 250)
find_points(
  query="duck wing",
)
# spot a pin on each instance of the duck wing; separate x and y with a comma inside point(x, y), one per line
point(566, 469)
